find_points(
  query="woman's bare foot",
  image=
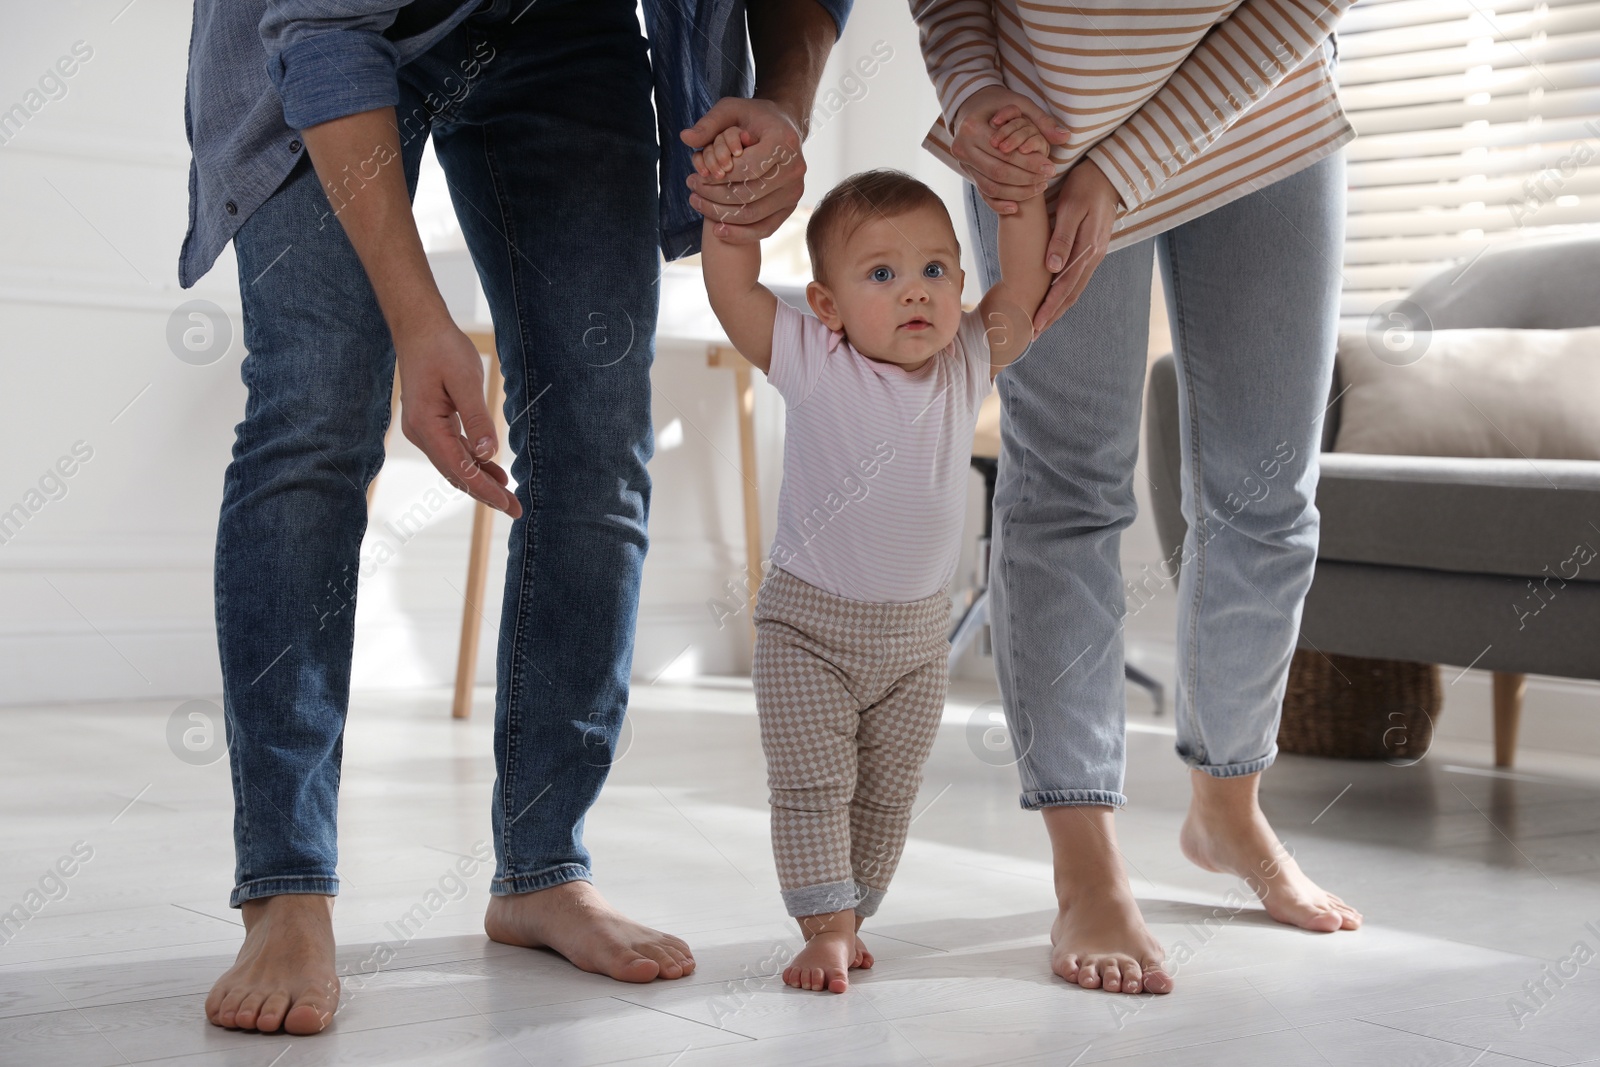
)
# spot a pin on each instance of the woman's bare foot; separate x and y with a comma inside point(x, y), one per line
point(1099, 939)
point(1227, 832)
point(284, 976)
point(831, 951)
point(575, 920)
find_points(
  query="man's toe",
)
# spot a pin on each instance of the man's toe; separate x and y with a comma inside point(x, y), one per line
point(668, 965)
point(638, 969)
point(306, 1017)
point(214, 1003)
point(228, 1010)
point(249, 1010)
point(678, 954)
point(272, 1011)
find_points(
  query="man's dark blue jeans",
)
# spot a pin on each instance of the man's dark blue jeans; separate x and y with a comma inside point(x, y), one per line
point(543, 124)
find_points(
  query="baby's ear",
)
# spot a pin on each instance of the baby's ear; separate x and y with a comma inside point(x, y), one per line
point(822, 302)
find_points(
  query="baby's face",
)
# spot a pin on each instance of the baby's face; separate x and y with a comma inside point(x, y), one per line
point(894, 288)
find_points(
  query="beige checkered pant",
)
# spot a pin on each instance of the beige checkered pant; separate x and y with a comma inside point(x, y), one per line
point(850, 695)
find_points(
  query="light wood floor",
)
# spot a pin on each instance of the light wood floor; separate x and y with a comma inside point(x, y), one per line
point(1472, 883)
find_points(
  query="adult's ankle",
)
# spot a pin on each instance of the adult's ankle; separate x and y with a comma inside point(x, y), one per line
point(314, 903)
point(1214, 797)
point(1103, 887)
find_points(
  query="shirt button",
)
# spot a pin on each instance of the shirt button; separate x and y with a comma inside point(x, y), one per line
point(294, 146)
point(231, 207)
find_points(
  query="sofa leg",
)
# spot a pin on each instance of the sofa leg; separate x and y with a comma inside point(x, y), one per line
point(1508, 690)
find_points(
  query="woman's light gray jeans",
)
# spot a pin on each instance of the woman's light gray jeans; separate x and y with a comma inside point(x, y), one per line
point(1253, 298)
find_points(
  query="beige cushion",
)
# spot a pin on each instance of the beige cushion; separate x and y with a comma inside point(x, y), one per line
point(1482, 393)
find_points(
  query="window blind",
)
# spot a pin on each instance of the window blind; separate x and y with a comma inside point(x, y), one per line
point(1478, 124)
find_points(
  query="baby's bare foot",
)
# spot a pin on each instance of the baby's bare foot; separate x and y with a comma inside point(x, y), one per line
point(575, 920)
point(284, 975)
point(1227, 832)
point(825, 962)
point(863, 957)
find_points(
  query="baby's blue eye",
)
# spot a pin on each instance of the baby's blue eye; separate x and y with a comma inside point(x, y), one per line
point(933, 270)
point(881, 274)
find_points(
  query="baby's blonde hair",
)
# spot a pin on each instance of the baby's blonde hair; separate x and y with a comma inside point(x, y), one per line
point(859, 198)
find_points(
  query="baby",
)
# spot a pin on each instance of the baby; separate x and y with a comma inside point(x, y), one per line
point(882, 391)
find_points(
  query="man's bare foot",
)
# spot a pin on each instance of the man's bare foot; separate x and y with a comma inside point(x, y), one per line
point(284, 976)
point(1227, 832)
point(575, 920)
point(831, 951)
point(1099, 939)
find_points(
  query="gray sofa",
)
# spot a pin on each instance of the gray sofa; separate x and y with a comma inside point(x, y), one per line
point(1442, 560)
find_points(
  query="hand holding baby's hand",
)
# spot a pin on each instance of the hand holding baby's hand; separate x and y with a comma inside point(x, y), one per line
point(1016, 132)
point(715, 160)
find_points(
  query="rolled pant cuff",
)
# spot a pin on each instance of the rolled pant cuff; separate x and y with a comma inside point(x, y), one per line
point(824, 899)
point(1059, 798)
point(1235, 770)
point(868, 899)
point(316, 885)
point(511, 885)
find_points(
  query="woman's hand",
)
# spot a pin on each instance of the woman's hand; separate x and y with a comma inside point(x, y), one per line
point(1086, 208)
point(1002, 178)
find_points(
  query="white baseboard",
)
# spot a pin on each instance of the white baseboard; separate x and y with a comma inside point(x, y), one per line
point(131, 617)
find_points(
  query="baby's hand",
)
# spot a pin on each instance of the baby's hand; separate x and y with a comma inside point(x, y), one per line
point(715, 160)
point(1015, 132)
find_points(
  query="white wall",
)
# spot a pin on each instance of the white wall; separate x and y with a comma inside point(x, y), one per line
point(106, 590)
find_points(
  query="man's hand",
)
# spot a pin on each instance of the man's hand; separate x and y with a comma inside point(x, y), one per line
point(441, 373)
point(1003, 177)
point(790, 41)
point(1086, 208)
point(762, 185)
point(443, 413)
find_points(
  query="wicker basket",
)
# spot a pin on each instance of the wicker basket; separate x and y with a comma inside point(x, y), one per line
point(1346, 707)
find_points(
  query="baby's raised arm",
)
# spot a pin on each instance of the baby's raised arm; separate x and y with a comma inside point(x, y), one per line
point(1009, 305)
point(744, 306)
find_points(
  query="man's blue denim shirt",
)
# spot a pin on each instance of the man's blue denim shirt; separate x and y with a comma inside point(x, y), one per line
point(262, 70)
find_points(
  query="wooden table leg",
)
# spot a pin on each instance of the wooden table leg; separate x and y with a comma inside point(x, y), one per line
point(1508, 692)
point(744, 402)
point(478, 558)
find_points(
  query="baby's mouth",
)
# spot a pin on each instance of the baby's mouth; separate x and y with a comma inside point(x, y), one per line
point(916, 324)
